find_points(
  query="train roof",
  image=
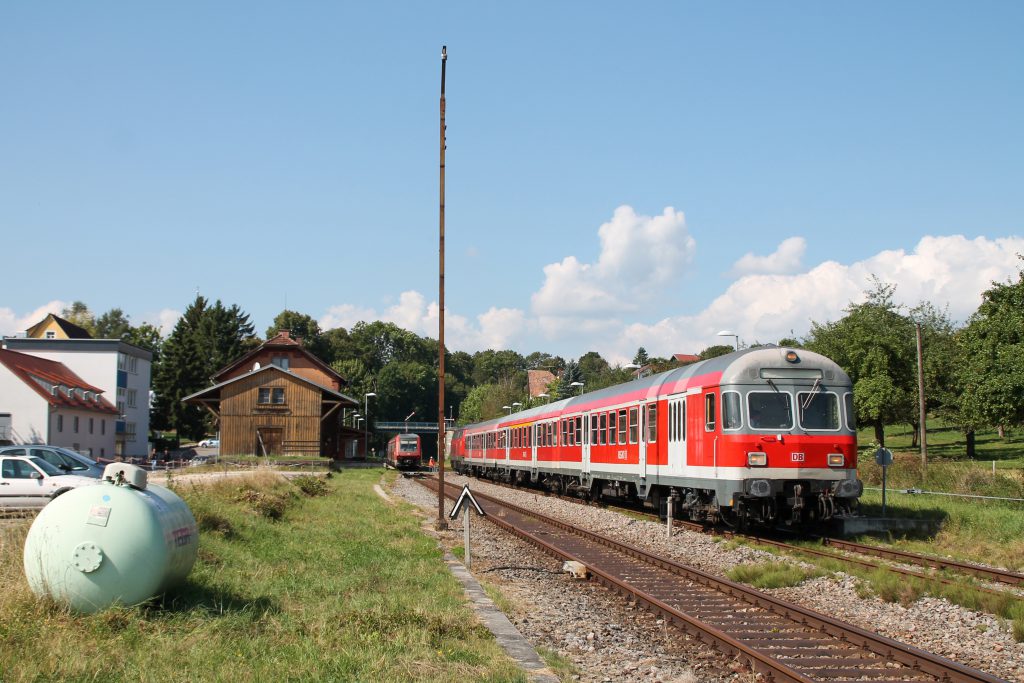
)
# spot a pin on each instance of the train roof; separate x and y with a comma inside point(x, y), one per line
point(738, 367)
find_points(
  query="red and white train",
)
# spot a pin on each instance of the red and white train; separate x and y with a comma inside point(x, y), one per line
point(757, 436)
point(404, 452)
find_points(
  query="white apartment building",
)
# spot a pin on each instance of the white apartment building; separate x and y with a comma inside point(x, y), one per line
point(47, 403)
point(122, 371)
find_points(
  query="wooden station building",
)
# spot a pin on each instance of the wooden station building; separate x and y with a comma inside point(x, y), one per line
point(280, 399)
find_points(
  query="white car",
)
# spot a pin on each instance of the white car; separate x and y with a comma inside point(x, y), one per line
point(31, 482)
point(209, 443)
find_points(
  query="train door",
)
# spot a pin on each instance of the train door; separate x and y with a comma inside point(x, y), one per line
point(585, 444)
point(536, 427)
point(676, 437)
point(647, 434)
point(508, 443)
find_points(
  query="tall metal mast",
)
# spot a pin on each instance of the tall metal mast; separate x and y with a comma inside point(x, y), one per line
point(441, 520)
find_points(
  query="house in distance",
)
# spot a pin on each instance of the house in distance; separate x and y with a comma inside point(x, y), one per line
point(279, 400)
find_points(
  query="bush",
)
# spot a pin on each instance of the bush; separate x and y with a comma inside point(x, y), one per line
point(263, 503)
point(311, 486)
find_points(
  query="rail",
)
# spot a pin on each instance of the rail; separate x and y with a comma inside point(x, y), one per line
point(782, 640)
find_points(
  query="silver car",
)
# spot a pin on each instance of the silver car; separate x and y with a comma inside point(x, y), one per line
point(64, 459)
point(27, 482)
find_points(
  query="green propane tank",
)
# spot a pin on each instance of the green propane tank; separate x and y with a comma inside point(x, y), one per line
point(121, 541)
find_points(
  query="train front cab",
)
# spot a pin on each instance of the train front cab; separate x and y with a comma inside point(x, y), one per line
point(777, 439)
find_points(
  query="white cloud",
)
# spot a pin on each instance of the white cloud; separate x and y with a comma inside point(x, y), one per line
point(11, 323)
point(639, 255)
point(785, 259)
point(945, 270)
point(345, 315)
point(164, 320)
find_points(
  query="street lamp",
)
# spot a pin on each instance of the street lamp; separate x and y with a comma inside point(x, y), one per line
point(736, 337)
point(543, 396)
point(577, 384)
point(633, 366)
point(366, 428)
point(517, 405)
point(508, 408)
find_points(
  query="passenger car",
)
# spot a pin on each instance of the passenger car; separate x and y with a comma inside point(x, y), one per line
point(209, 443)
point(30, 482)
point(64, 459)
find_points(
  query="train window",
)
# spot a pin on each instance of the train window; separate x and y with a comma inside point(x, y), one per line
point(709, 413)
point(602, 433)
point(565, 432)
point(623, 426)
point(652, 423)
point(682, 420)
point(818, 410)
point(611, 428)
point(851, 412)
point(770, 410)
point(731, 411)
point(551, 433)
point(593, 430)
point(579, 430)
point(634, 424)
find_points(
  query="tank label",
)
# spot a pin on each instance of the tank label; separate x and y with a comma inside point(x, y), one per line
point(99, 515)
point(182, 536)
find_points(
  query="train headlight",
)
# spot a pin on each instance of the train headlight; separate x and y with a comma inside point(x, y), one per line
point(836, 459)
point(757, 459)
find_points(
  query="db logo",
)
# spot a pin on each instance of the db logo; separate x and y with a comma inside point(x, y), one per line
point(797, 457)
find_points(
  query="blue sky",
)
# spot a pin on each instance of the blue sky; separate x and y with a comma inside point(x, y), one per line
point(616, 176)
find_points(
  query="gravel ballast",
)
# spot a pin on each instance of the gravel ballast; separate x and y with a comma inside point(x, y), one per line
point(608, 639)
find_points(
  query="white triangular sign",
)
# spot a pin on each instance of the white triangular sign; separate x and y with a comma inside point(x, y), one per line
point(466, 493)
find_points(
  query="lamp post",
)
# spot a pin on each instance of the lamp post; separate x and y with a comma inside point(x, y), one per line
point(366, 428)
point(543, 396)
point(577, 384)
point(633, 366)
point(517, 405)
point(508, 408)
point(727, 333)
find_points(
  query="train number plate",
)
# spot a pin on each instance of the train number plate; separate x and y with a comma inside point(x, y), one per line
point(797, 457)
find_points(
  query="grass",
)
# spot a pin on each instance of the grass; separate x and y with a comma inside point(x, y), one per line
point(949, 443)
point(769, 574)
point(336, 587)
point(561, 666)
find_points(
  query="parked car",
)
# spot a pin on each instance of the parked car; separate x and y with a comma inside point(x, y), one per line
point(202, 460)
point(209, 443)
point(30, 482)
point(71, 462)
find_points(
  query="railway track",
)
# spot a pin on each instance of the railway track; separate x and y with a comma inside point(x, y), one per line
point(781, 640)
point(992, 574)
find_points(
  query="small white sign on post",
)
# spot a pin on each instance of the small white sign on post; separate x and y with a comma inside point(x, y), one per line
point(463, 497)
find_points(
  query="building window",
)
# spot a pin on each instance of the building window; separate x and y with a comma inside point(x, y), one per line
point(272, 395)
point(60, 423)
point(50, 334)
point(90, 425)
point(280, 361)
point(121, 360)
point(129, 431)
point(75, 426)
point(133, 365)
point(131, 397)
point(103, 427)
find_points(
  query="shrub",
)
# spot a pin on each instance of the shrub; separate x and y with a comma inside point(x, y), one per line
point(311, 486)
point(263, 503)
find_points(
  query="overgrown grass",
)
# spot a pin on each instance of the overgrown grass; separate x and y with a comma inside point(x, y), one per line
point(769, 574)
point(337, 587)
point(559, 665)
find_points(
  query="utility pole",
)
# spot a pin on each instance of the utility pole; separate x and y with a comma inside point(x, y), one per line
point(920, 393)
point(442, 523)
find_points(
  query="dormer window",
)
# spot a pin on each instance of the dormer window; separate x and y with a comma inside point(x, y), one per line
point(280, 361)
point(50, 334)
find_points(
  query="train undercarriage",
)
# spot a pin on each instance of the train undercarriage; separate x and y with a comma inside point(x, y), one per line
point(761, 503)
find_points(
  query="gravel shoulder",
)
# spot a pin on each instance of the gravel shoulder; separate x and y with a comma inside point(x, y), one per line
point(608, 639)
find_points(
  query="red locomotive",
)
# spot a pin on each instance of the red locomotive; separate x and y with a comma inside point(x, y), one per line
point(404, 452)
point(755, 436)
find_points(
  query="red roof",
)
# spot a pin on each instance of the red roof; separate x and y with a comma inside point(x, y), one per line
point(283, 341)
point(539, 381)
point(686, 357)
point(30, 368)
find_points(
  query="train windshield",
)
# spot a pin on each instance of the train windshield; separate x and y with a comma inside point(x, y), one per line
point(818, 411)
point(770, 410)
point(406, 445)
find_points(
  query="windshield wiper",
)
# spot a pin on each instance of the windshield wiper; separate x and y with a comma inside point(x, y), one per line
point(811, 395)
point(771, 383)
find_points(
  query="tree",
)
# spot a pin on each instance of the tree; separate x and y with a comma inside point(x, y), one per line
point(715, 351)
point(113, 324)
point(874, 344)
point(79, 314)
point(641, 358)
point(505, 368)
point(205, 339)
point(990, 376)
